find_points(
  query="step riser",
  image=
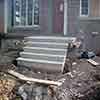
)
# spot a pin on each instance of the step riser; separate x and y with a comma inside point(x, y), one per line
point(46, 45)
point(48, 68)
point(44, 51)
point(57, 58)
point(41, 53)
point(48, 40)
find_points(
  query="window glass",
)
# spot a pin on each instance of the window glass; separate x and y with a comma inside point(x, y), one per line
point(17, 12)
point(26, 12)
point(23, 12)
point(36, 12)
point(84, 7)
point(30, 12)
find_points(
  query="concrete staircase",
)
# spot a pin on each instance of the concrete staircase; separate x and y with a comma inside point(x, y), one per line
point(44, 54)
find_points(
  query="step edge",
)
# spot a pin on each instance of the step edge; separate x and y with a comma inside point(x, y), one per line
point(41, 48)
point(48, 43)
point(28, 53)
point(49, 37)
point(39, 61)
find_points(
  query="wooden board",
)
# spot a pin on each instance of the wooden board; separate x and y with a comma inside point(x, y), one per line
point(25, 78)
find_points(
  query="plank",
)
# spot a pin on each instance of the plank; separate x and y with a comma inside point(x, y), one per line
point(40, 81)
point(93, 62)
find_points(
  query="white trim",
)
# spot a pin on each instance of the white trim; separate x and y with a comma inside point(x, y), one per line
point(26, 26)
point(14, 12)
point(26, 13)
point(47, 43)
point(5, 16)
point(52, 37)
point(33, 13)
point(50, 55)
point(89, 7)
point(20, 11)
point(38, 60)
point(99, 7)
point(43, 48)
point(81, 9)
point(65, 17)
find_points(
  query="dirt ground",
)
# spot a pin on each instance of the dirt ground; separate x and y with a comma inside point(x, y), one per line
point(82, 82)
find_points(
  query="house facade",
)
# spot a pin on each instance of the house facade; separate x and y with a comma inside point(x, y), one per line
point(49, 17)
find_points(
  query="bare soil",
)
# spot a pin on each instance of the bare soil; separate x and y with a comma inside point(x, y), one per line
point(82, 82)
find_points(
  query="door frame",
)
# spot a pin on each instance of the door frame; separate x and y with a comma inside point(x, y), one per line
point(65, 28)
point(5, 15)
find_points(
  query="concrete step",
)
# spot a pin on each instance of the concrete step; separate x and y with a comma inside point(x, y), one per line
point(45, 50)
point(41, 65)
point(49, 57)
point(47, 45)
point(50, 39)
point(45, 53)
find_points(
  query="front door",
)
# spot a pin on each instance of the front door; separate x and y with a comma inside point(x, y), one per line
point(58, 16)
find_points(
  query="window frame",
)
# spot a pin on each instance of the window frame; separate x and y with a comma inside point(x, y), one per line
point(26, 25)
point(84, 15)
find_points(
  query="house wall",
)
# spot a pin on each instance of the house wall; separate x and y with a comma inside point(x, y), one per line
point(46, 20)
point(94, 8)
point(75, 24)
point(73, 16)
point(92, 42)
point(17, 34)
point(9, 10)
point(45, 27)
point(89, 27)
point(91, 24)
point(58, 16)
point(1, 15)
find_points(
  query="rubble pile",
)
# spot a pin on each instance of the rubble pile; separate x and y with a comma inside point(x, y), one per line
point(81, 81)
point(7, 85)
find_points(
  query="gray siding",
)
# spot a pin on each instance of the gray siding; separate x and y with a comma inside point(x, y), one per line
point(92, 41)
point(9, 23)
point(1, 15)
point(73, 15)
point(90, 25)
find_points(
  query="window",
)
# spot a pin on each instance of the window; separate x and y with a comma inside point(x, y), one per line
point(83, 7)
point(26, 12)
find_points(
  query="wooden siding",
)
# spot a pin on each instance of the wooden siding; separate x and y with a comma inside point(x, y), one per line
point(1, 15)
point(73, 15)
point(44, 16)
point(44, 25)
point(58, 16)
point(94, 8)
